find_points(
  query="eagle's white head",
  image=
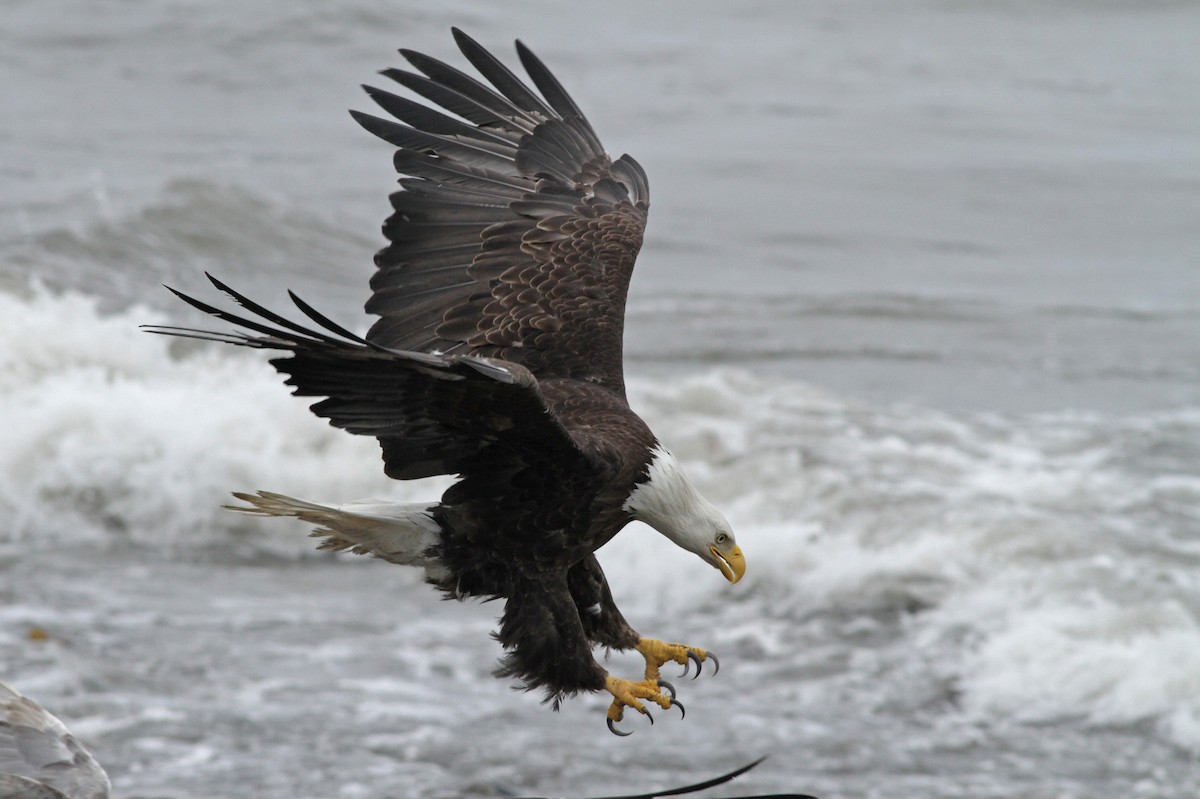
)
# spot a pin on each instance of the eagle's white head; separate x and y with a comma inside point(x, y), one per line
point(670, 503)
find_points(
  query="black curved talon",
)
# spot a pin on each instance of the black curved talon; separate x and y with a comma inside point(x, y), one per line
point(646, 713)
point(669, 687)
point(696, 658)
point(612, 728)
point(716, 663)
point(682, 709)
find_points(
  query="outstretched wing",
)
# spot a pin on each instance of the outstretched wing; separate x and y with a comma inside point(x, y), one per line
point(432, 414)
point(514, 235)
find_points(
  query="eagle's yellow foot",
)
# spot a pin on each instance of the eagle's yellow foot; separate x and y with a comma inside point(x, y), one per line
point(657, 653)
point(627, 693)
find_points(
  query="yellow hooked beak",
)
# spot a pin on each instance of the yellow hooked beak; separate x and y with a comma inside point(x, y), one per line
point(731, 562)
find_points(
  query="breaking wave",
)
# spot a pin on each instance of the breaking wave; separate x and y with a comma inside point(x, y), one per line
point(1037, 568)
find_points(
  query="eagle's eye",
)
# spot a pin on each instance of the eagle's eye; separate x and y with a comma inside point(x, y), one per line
point(722, 539)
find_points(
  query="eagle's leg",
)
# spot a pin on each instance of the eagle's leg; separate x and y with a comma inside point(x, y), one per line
point(657, 653)
point(605, 625)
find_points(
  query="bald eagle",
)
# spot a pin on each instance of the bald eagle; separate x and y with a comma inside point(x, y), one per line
point(496, 357)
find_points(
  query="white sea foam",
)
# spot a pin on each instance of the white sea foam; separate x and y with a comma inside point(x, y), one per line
point(110, 436)
point(1044, 566)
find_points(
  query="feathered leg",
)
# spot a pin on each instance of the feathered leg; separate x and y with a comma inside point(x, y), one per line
point(605, 625)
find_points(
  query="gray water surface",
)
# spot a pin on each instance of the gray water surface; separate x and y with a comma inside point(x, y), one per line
point(919, 307)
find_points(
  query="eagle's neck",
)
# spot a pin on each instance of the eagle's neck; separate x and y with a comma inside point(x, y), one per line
point(669, 502)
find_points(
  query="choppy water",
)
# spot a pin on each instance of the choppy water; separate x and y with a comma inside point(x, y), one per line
point(920, 308)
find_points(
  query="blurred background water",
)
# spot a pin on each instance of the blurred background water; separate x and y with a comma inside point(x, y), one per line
point(919, 305)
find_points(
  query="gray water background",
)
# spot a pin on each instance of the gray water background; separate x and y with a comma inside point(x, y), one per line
point(911, 270)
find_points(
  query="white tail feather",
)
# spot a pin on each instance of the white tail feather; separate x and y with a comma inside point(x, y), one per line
point(394, 532)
